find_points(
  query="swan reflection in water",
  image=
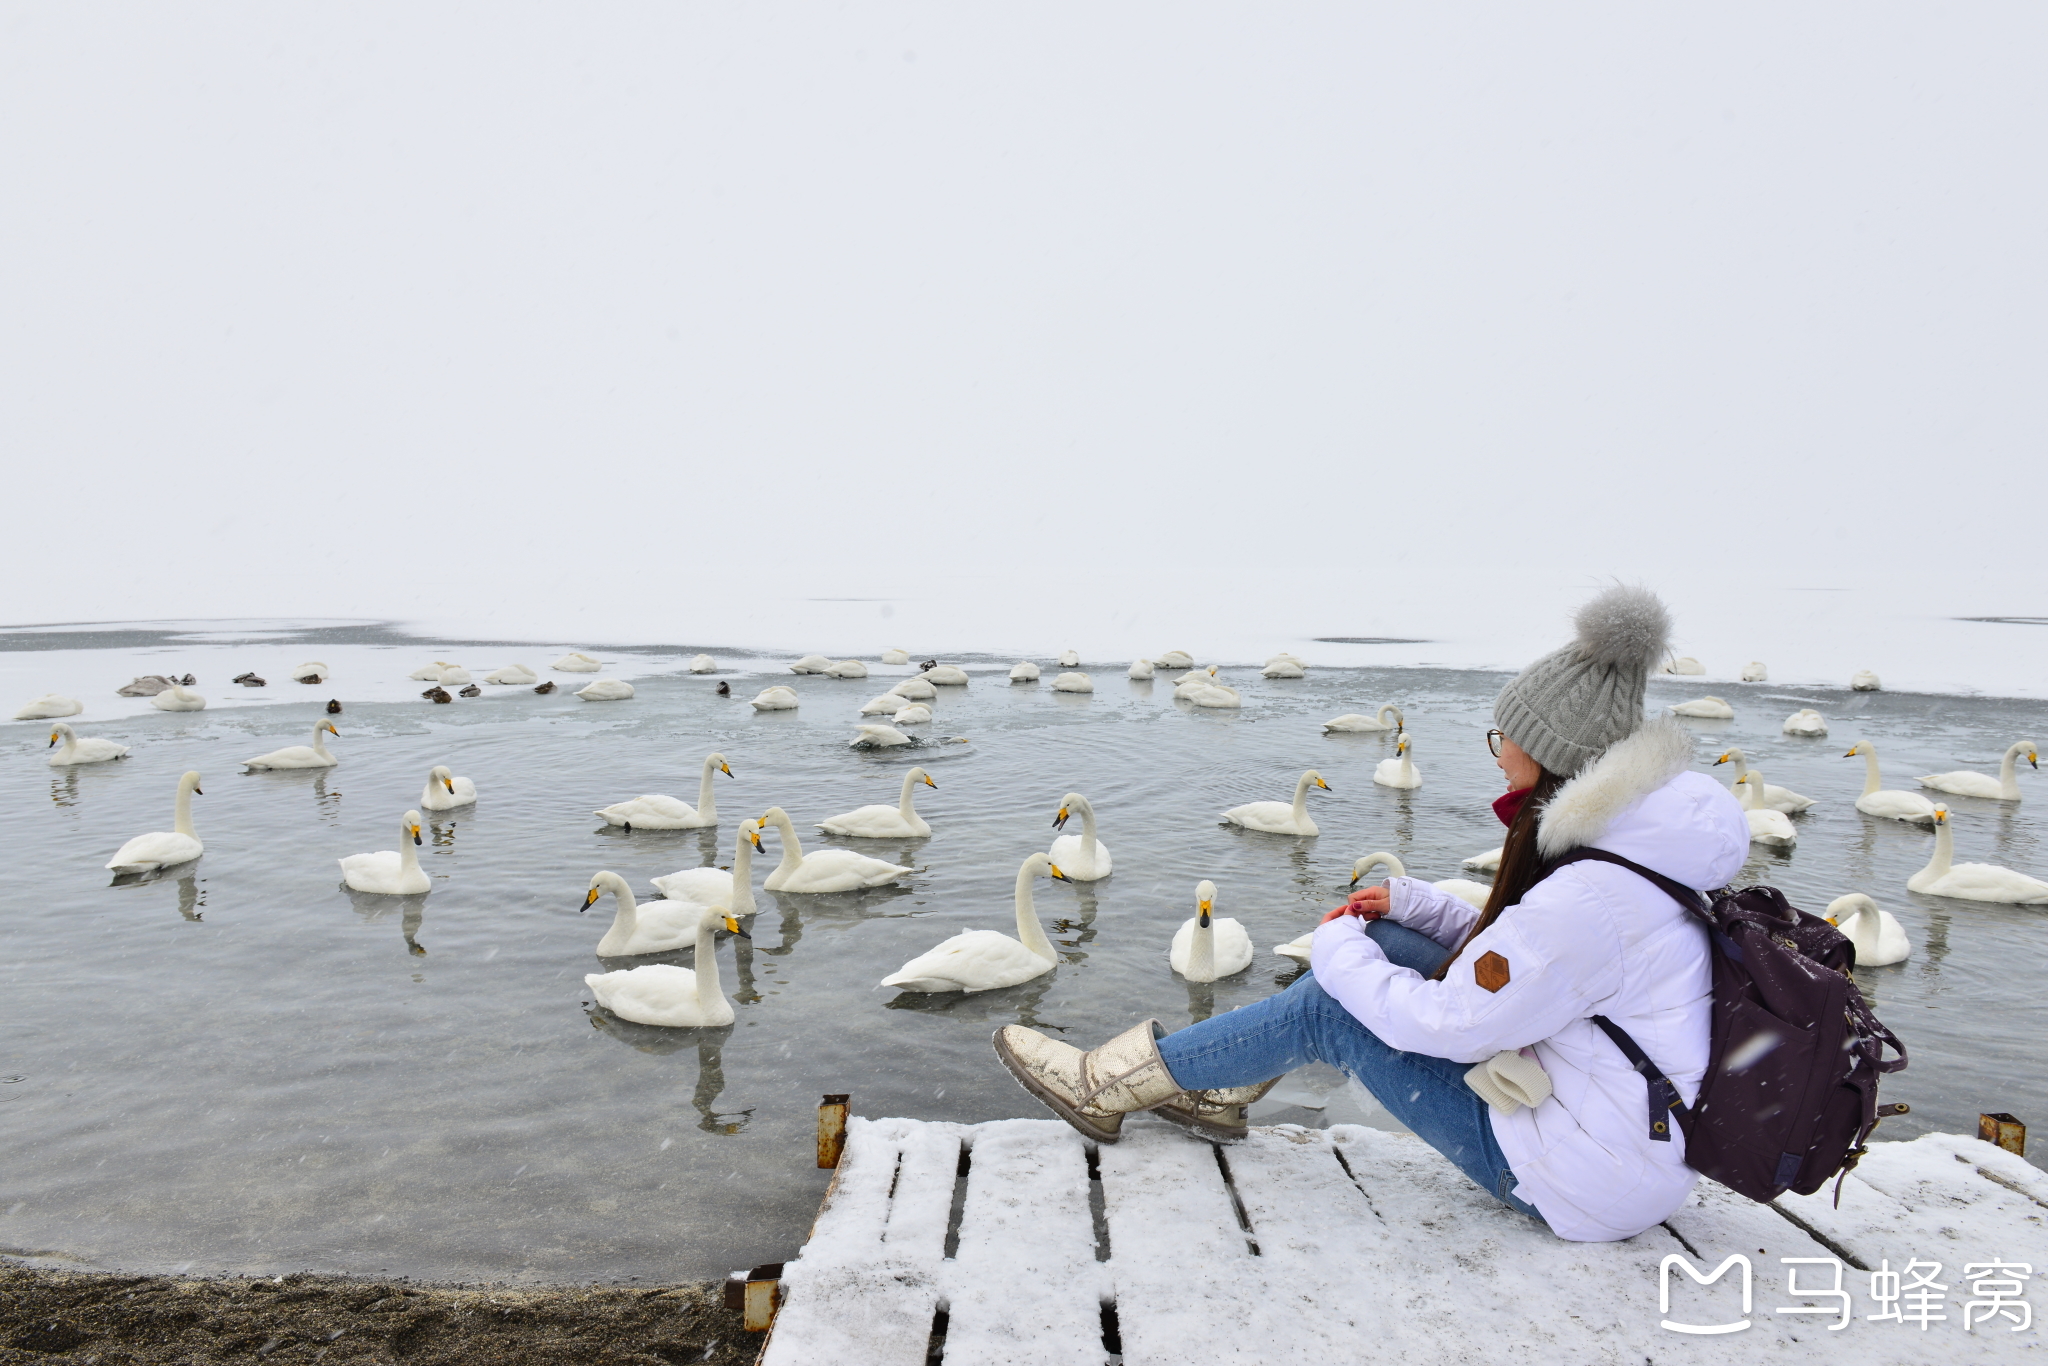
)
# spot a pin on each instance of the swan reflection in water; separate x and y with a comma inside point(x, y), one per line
point(710, 1045)
point(64, 788)
point(374, 906)
point(190, 897)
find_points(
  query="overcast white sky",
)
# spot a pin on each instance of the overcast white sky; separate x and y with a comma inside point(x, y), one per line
point(1129, 327)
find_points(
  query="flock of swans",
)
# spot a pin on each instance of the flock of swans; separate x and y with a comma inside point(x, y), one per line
point(695, 903)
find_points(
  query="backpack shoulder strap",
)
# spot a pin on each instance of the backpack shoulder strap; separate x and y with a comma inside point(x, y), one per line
point(1685, 896)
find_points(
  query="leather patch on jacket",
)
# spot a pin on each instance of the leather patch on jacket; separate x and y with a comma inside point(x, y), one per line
point(1491, 971)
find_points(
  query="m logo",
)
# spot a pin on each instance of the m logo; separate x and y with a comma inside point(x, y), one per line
point(1664, 1293)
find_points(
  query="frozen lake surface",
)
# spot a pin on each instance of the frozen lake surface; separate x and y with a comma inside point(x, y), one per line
point(247, 1067)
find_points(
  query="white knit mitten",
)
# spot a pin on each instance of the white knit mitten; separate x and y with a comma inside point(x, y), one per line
point(1508, 1081)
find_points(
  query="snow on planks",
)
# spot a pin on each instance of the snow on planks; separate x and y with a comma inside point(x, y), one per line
point(994, 1243)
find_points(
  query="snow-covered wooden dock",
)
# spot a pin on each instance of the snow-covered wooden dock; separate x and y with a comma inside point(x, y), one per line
point(1018, 1242)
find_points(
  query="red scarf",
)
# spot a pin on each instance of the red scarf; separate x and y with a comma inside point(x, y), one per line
point(1509, 804)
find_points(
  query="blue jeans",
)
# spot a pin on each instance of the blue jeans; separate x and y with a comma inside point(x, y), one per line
point(1306, 1024)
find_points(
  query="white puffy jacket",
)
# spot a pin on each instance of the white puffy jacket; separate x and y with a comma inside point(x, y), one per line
point(1590, 939)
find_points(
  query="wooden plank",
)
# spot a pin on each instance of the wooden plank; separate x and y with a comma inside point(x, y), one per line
point(1025, 1288)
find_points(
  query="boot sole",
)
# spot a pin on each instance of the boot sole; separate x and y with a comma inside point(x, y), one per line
point(1202, 1129)
point(1087, 1127)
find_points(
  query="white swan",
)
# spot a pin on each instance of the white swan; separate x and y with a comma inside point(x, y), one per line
point(80, 751)
point(1069, 659)
point(667, 996)
point(1205, 674)
point(655, 927)
point(878, 737)
point(1206, 948)
point(454, 675)
point(915, 690)
point(576, 662)
point(1487, 862)
point(1705, 708)
point(389, 873)
point(703, 664)
point(429, 673)
point(50, 706)
point(1893, 804)
point(895, 656)
point(1141, 669)
point(885, 704)
point(1806, 721)
point(1285, 666)
point(827, 870)
point(315, 755)
point(1023, 671)
point(1971, 881)
point(512, 675)
point(911, 714)
point(1877, 934)
point(1281, 818)
point(1073, 682)
point(1470, 892)
point(946, 676)
point(164, 848)
point(1084, 857)
point(1766, 826)
point(848, 668)
point(2004, 788)
point(178, 697)
point(1763, 794)
point(733, 890)
point(985, 960)
point(1214, 696)
point(777, 698)
point(311, 672)
point(605, 690)
point(1175, 659)
point(880, 822)
point(1399, 770)
point(654, 811)
point(1686, 665)
point(811, 664)
point(1354, 721)
point(1755, 672)
point(444, 791)
point(1865, 681)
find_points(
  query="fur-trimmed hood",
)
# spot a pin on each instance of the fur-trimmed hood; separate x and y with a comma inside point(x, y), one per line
point(1642, 800)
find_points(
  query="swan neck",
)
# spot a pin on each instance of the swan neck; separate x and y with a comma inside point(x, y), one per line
point(1301, 797)
point(182, 823)
point(707, 794)
point(1087, 830)
point(1029, 932)
point(1202, 952)
point(2008, 776)
point(1944, 850)
point(710, 990)
point(409, 854)
point(1872, 779)
point(320, 740)
point(906, 807)
point(743, 878)
point(792, 851)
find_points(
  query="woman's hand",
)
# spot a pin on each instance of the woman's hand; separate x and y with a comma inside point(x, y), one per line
point(1367, 903)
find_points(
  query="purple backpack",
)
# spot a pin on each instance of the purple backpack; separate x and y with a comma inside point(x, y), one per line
point(1790, 1093)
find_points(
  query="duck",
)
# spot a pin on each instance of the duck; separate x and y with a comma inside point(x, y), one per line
point(1175, 659)
point(334, 706)
point(250, 680)
point(1141, 670)
point(471, 691)
point(546, 688)
point(915, 690)
point(1893, 804)
point(2004, 788)
point(894, 655)
point(178, 697)
point(1023, 671)
point(1765, 794)
point(576, 662)
point(1073, 682)
point(848, 668)
point(1773, 828)
point(1685, 665)
point(946, 676)
point(80, 749)
point(444, 791)
point(987, 960)
point(430, 673)
point(50, 706)
point(605, 690)
point(1399, 770)
point(1755, 672)
point(437, 693)
point(1214, 696)
point(911, 714)
point(880, 822)
point(1806, 721)
point(878, 737)
point(827, 870)
point(655, 811)
point(513, 675)
point(1971, 881)
point(724, 689)
point(636, 928)
point(1470, 892)
point(1353, 721)
point(1084, 856)
point(1487, 861)
point(702, 664)
point(313, 671)
point(811, 664)
point(315, 755)
point(776, 698)
point(1280, 818)
point(732, 889)
point(164, 848)
point(389, 873)
point(1206, 948)
point(669, 997)
point(1865, 681)
point(1877, 934)
point(1705, 709)
point(1284, 666)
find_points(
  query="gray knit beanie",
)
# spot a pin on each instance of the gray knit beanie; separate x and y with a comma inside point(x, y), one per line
point(1570, 705)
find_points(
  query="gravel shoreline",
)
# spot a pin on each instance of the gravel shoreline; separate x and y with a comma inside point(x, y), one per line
point(109, 1319)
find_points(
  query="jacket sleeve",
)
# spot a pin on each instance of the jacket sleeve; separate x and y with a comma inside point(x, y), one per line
point(1421, 907)
point(1546, 962)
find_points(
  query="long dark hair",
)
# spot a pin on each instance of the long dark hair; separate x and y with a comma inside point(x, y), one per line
point(1520, 864)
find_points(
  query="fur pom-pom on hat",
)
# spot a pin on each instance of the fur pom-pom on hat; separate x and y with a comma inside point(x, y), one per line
point(1624, 625)
point(1570, 706)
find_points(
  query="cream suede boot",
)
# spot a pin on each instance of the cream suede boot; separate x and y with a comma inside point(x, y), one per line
point(1216, 1115)
point(1092, 1091)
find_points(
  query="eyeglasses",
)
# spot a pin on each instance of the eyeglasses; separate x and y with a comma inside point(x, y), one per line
point(1494, 740)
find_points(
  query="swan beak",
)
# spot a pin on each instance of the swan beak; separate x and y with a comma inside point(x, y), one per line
point(332, 731)
point(52, 744)
point(755, 836)
point(1326, 787)
point(449, 783)
point(1057, 873)
point(929, 783)
point(1724, 759)
point(1203, 921)
point(416, 835)
point(1354, 880)
point(2031, 760)
point(1940, 815)
point(1850, 755)
point(198, 790)
point(734, 926)
point(1059, 822)
point(726, 769)
point(589, 900)
point(1833, 921)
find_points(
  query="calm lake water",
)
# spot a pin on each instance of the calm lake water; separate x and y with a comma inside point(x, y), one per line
point(247, 1067)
